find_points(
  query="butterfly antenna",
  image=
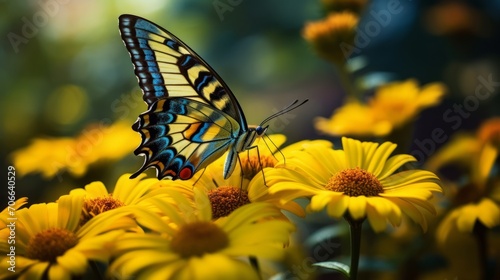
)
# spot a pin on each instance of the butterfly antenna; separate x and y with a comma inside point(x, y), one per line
point(285, 110)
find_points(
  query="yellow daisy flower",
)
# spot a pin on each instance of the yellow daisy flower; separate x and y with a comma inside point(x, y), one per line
point(392, 106)
point(191, 245)
point(330, 36)
point(360, 181)
point(49, 242)
point(50, 156)
point(126, 192)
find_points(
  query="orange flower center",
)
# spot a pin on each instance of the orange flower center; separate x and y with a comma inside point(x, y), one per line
point(252, 165)
point(226, 199)
point(95, 206)
point(355, 182)
point(196, 239)
point(49, 244)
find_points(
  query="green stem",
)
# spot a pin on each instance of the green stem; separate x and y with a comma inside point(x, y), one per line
point(96, 270)
point(479, 232)
point(255, 264)
point(355, 230)
point(347, 83)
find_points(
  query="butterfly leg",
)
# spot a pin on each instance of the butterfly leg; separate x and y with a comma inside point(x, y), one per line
point(241, 174)
point(260, 167)
point(201, 175)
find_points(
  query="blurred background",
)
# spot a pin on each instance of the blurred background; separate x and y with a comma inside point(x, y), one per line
point(66, 70)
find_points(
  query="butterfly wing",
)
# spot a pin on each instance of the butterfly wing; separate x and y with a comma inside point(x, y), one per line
point(193, 117)
point(166, 67)
point(181, 136)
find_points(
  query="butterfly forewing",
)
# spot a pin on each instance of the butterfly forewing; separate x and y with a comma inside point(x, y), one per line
point(166, 67)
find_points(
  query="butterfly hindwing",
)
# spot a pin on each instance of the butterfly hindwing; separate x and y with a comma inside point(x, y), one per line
point(181, 136)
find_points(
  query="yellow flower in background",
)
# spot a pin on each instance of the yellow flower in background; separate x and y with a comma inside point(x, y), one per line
point(392, 106)
point(360, 181)
point(197, 247)
point(400, 102)
point(353, 118)
point(330, 36)
point(50, 244)
point(475, 156)
point(246, 184)
point(50, 156)
point(477, 199)
point(464, 218)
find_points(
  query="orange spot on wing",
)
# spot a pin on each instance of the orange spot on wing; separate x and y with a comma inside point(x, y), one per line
point(191, 130)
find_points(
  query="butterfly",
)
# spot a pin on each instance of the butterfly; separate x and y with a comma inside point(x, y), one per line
point(193, 118)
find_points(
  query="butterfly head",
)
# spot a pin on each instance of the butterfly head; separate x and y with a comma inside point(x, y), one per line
point(261, 130)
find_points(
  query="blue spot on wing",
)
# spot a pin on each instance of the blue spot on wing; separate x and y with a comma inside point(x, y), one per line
point(172, 44)
point(163, 118)
point(157, 131)
point(187, 60)
point(203, 80)
point(165, 155)
point(197, 137)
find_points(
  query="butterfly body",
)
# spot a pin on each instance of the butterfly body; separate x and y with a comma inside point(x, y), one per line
point(193, 118)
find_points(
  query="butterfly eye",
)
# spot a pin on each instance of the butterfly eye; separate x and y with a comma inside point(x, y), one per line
point(261, 130)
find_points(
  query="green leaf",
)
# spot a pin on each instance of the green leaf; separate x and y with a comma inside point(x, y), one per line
point(337, 266)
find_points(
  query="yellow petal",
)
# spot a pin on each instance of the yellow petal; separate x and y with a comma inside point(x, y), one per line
point(220, 267)
point(58, 272)
point(431, 94)
point(467, 219)
point(393, 163)
point(357, 207)
point(96, 189)
point(482, 168)
point(35, 271)
point(377, 163)
point(489, 213)
point(73, 261)
point(353, 152)
point(377, 221)
point(320, 200)
point(337, 206)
